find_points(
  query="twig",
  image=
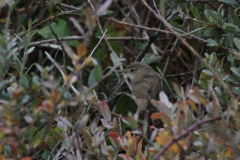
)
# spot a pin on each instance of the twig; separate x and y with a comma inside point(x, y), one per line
point(82, 37)
point(169, 58)
point(197, 63)
point(143, 27)
point(90, 55)
point(72, 7)
point(55, 35)
point(163, 77)
point(178, 75)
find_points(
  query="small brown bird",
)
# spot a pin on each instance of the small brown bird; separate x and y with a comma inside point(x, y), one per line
point(145, 83)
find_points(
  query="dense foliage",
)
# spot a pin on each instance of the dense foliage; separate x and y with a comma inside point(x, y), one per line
point(62, 97)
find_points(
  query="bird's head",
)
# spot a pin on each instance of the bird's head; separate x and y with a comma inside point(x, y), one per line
point(135, 69)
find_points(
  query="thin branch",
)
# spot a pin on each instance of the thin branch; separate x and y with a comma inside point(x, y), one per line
point(72, 7)
point(56, 37)
point(143, 27)
point(170, 55)
point(90, 55)
point(82, 37)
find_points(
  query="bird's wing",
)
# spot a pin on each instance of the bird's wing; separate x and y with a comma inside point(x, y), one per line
point(146, 85)
point(141, 90)
point(154, 83)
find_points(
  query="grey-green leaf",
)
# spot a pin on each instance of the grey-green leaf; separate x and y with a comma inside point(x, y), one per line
point(231, 2)
point(236, 71)
point(211, 42)
point(229, 28)
point(98, 73)
point(91, 79)
point(23, 80)
point(207, 72)
point(115, 59)
point(237, 42)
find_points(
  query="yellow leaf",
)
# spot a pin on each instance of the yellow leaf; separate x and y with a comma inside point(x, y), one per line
point(192, 105)
point(156, 116)
point(78, 67)
point(203, 102)
point(128, 137)
point(88, 60)
point(2, 158)
point(131, 149)
point(160, 140)
point(174, 148)
point(26, 158)
point(81, 50)
point(164, 137)
point(228, 152)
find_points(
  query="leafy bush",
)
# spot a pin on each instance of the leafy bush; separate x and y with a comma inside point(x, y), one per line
point(62, 97)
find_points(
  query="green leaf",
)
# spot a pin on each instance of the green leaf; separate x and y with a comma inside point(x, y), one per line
point(140, 46)
point(24, 29)
point(220, 16)
point(195, 12)
point(40, 68)
point(115, 59)
point(237, 42)
point(162, 7)
point(150, 58)
point(196, 30)
point(107, 13)
point(236, 71)
point(98, 73)
point(95, 75)
point(176, 25)
point(231, 80)
point(23, 80)
point(231, 2)
point(25, 41)
point(180, 10)
point(207, 72)
point(230, 40)
point(236, 19)
point(61, 29)
point(210, 15)
point(230, 58)
point(18, 37)
point(236, 90)
point(229, 28)
point(132, 121)
point(211, 42)
point(30, 50)
point(29, 24)
point(17, 64)
point(3, 84)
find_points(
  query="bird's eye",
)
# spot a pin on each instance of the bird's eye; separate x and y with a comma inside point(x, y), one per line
point(132, 70)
